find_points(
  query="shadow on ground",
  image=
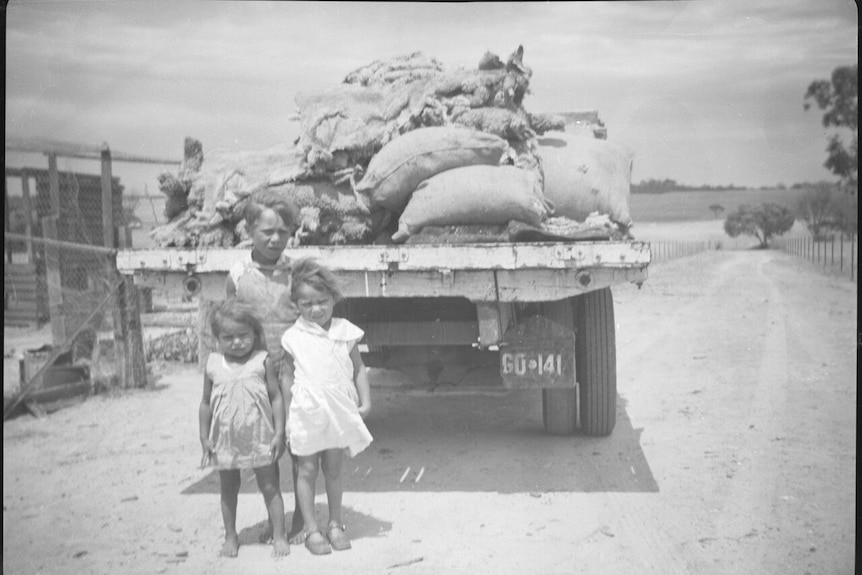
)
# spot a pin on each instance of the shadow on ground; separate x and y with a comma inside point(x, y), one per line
point(478, 441)
point(361, 524)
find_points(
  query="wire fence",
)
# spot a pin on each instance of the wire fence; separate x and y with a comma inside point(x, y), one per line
point(664, 251)
point(838, 254)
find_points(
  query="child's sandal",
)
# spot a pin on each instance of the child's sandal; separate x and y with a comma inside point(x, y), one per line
point(320, 547)
point(337, 538)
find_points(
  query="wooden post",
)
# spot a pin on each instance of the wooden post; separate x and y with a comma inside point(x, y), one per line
point(109, 241)
point(52, 277)
point(28, 214)
point(841, 254)
point(53, 185)
point(134, 364)
point(128, 339)
point(7, 219)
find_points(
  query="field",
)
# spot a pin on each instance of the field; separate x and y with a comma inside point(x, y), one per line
point(694, 205)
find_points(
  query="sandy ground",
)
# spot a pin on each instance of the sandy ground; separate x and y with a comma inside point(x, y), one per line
point(734, 452)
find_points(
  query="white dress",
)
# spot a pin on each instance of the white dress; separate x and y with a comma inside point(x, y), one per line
point(324, 411)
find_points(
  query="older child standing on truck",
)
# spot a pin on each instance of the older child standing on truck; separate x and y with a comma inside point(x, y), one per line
point(241, 418)
point(328, 400)
point(262, 279)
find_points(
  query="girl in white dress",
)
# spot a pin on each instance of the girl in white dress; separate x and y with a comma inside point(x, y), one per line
point(329, 397)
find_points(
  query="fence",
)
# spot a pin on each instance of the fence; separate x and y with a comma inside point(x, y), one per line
point(62, 228)
point(670, 250)
point(838, 255)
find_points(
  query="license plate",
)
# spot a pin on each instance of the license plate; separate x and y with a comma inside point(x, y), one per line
point(538, 353)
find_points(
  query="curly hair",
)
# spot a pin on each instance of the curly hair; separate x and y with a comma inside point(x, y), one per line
point(262, 200)
point(241, 313)
point(310, 272)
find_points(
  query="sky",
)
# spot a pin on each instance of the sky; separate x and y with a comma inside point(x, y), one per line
point(706, 92)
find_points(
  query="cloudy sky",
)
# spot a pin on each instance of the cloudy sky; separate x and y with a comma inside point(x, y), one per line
point(706, 92)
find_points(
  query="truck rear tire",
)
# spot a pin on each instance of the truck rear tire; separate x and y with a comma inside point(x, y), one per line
point(596, 361)
point(560, 406)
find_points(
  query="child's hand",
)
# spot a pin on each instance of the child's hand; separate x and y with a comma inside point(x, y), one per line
point(364, 410)
point(277, 447)
point(208, 449)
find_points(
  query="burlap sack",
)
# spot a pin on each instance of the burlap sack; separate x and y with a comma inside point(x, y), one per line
point(474, 195)
point(397, 169)
point(585, 175)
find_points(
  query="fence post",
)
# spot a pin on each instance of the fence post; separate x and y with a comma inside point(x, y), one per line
point(128, 340)
point(28, 214)
point(841, 254)
point(852, 255)
point(832, 261)
point(54, 281)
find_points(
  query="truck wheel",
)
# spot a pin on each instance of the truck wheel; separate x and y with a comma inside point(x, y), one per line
point(596, 361)
point(560, 406)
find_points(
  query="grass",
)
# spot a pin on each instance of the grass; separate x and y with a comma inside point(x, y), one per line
point(693, 206)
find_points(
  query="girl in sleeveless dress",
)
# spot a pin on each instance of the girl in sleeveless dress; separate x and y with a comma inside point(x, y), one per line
point(241, 418)
point(328, 400)
point(262, 279)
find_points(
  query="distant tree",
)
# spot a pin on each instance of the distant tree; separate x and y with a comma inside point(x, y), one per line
point(716, 209)
point(845, 210)
point(780, 186)
point(763, 222)
point(816, 208)
point(839, 97)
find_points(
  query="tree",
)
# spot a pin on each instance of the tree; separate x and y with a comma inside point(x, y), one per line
point(763, 222)
point(839, 97)
point(816, 207)
point(716, 209)
point(845, 210)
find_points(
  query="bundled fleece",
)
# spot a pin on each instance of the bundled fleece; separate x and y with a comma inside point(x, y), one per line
point(395, 172)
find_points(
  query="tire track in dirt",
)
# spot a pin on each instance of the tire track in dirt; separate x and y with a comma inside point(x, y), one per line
point(652, 525)
point(747, 518)
point(719, 383)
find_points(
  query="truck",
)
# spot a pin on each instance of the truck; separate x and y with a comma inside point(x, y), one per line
point(543, 310)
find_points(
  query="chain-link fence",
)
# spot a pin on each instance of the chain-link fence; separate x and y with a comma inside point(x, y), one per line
point(61, 230)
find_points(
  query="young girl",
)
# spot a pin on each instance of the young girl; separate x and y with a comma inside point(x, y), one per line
point(329, 397)
point(262, 279)
point(242, 419)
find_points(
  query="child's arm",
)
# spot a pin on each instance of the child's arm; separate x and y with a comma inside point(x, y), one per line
point(360, 378)
point(205, 417)
point(275, 399)
point(287, 382)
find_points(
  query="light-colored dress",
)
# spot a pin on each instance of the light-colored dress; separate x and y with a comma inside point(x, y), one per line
point(324, 411)
point(270, 298)
point(242, 426)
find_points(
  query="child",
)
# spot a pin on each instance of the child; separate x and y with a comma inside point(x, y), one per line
point(263, 280)
point(329, 397)
point(242, 419)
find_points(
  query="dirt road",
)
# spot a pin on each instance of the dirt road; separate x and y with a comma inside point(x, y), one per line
point(734, 452)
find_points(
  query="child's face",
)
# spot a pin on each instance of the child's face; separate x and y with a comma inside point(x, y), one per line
point(269, 234)
point(235, 339)
point(315, 306)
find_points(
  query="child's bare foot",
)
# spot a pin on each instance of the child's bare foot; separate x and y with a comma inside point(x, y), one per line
point(297, 533)
point(280, 548)
point(230, 547)
point(266, 536)
point(298, 538)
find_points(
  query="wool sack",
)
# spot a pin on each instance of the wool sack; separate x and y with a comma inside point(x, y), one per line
point(585, 175)
point(397, 169)
point(474, 195)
